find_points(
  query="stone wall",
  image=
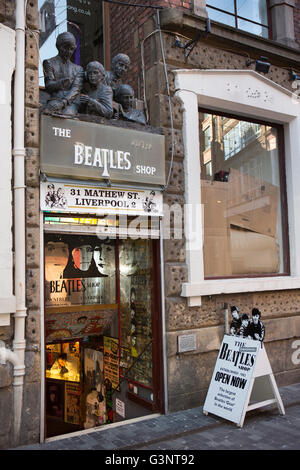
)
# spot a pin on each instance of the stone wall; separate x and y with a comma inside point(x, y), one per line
point(189, 374)
point(31, 400)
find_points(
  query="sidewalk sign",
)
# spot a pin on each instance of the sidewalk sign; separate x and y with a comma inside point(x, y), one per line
point(242, 380)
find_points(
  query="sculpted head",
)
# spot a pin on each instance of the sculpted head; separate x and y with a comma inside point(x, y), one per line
point(120, 65)
point(66, 45)
point(124, 95)
point(95, 73)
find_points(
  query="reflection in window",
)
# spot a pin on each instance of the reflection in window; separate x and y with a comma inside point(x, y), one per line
point(242, 198)
point(83, 18)
point(250, 16)
point(135, 310)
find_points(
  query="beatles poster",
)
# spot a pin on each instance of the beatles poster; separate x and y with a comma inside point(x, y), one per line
point(71, 325)
point(111, 361)
point(231, 379)
point(79, 270)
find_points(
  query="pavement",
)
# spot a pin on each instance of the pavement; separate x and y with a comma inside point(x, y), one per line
point(264, 429)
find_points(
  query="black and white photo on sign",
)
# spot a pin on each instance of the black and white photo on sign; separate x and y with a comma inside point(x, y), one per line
point(246, 327)
point(55, 198)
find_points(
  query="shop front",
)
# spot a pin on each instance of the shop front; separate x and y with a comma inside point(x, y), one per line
point(103, 357)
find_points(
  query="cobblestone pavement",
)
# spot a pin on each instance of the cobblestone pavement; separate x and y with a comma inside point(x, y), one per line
point(263, 429)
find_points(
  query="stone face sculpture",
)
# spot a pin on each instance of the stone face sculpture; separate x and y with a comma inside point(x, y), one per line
point(99, 98)
point(119, 68)
point(124, 95)
point(63, 78)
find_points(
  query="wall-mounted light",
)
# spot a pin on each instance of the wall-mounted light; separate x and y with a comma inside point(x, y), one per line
point(261, 65)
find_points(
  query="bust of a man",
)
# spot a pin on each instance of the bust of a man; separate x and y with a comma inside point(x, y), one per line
point(98, 99)
point(124, 95)
point(63, 78)
point(119, 68)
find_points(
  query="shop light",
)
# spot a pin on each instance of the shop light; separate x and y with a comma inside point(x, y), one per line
point(261, 65)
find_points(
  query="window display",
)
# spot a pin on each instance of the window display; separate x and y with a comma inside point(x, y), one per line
point(79, 270)
point(243, 197)
point(98, 330)
point(135, 306)
point(63, 361)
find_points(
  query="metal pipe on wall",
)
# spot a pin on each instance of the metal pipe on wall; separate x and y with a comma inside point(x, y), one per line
point(17, 355)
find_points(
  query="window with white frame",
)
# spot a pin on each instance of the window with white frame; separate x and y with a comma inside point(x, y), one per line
point(251, 16)
point(242, 197)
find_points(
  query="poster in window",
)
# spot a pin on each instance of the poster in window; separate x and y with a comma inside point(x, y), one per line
point(54, 398)
point(94, 388)
point(111, 361)
point(79, 270)
point(72, 403)
point(71, 325)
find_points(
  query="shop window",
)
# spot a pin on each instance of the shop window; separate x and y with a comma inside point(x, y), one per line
point(135, 307)
point(83, 18)
point(242, 196)
point(99, 306)
point(250, 16)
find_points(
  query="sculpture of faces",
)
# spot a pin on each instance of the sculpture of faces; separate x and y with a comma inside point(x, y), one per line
point(66, 45)
point(95, 73)
point(120, 65)
point(125, 96)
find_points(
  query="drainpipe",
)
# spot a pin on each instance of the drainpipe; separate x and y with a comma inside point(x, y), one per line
point(17, 355)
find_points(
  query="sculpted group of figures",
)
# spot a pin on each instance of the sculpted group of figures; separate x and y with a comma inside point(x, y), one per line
point(93, 91)
point(242, 325)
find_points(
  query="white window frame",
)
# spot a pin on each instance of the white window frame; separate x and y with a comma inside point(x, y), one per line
point(244, 93)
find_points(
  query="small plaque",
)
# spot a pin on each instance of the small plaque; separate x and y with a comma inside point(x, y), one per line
point(186, 343)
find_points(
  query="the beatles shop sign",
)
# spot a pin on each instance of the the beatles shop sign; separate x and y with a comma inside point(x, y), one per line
point(86, 150)
point(231, 379)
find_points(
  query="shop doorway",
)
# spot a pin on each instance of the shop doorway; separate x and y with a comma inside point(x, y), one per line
point(103, 355)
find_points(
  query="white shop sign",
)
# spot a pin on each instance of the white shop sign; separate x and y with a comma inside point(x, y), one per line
point(67, 197)
point(242, 380)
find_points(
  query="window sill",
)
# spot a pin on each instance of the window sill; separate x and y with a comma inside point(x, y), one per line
point(194, 291)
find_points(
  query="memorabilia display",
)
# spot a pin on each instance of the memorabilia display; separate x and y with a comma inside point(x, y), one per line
point(63, 362)
point(72, 403)
point(92, 348)
point(94, 388)
point(79, 270)
point(111, 361)
point(136, 320)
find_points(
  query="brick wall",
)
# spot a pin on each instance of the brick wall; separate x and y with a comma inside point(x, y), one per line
point(297, 20)
point(126, 34)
